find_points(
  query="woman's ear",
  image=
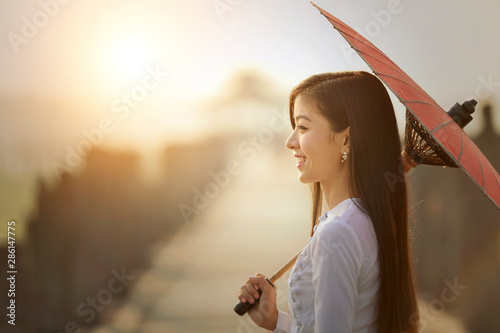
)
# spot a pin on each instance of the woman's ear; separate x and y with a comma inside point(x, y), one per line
point(346, 138)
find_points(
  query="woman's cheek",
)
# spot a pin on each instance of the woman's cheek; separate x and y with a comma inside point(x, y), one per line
point(305, 144)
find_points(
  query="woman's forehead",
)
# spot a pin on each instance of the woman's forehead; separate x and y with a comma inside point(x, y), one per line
point(303, 108)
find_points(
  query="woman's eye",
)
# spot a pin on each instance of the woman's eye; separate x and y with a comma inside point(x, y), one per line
point(301, 127)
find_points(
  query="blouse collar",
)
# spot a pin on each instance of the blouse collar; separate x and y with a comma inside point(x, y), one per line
point(337, 210)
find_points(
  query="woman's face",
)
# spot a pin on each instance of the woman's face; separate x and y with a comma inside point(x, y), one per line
point(317, 148)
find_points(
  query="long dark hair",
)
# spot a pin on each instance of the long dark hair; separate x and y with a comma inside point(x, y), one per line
point(359, 100)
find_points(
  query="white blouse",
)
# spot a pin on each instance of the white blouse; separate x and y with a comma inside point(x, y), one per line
point(334, 283)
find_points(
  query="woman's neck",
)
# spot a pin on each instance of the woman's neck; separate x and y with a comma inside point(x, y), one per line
point(336, 190)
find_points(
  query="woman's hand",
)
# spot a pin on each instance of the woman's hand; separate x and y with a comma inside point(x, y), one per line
point(265, 313)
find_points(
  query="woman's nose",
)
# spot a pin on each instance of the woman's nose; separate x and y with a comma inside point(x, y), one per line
point(292, 142)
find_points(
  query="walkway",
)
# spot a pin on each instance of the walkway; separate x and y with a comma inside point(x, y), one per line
point(254, 225)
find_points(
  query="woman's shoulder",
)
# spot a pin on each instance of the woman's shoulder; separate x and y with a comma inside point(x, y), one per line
point(349, 214)
point(348, 224)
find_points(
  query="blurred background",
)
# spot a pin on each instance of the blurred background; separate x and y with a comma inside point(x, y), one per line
point(143, 158)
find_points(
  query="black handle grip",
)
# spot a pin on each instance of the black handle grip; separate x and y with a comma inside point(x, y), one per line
point(242, 308)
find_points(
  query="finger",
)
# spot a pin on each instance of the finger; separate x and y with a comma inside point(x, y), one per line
point(259, 275)
point(243, 295)
point(251, 289)
point(261, 282)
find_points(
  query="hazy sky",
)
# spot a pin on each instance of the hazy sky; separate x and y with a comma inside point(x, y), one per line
point(85, 54)
point(66, 67)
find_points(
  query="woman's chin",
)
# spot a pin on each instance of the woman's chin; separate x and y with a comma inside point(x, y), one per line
point(304, 179)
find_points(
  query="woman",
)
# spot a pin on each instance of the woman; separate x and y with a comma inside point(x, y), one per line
point(355, 274)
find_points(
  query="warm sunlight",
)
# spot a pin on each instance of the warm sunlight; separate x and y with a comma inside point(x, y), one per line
point(144, 166)
point(121, 52)
point(129, 56)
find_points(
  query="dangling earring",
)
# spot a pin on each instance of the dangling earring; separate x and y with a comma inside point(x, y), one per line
point(344, 157)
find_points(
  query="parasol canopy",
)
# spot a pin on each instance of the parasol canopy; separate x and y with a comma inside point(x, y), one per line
point(440, 129)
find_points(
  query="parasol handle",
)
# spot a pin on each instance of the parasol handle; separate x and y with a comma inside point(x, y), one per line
point(242, 308)
point(408, 162)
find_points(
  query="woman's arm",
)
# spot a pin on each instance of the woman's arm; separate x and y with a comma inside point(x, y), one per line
point(336, 263)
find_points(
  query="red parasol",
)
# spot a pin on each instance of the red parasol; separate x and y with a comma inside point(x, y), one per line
point(442, 131)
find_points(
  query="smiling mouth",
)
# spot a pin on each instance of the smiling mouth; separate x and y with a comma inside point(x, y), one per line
point(301, 160)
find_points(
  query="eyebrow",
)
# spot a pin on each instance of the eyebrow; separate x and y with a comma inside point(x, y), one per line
point(305, 117)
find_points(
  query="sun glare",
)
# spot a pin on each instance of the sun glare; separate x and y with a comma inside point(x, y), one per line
point(129, 56)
